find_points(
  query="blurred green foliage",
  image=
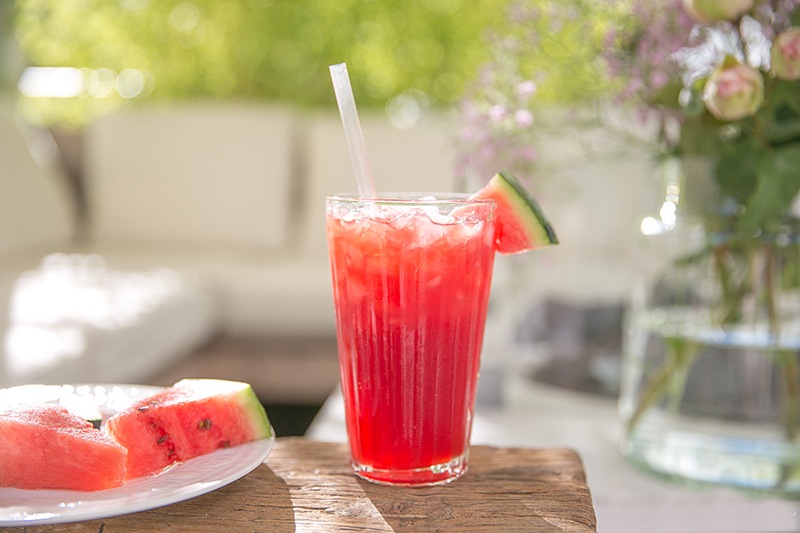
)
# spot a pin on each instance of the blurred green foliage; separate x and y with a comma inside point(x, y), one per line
point(559, 45)
point(258, 49)
point(545, 73)
point(6, 67)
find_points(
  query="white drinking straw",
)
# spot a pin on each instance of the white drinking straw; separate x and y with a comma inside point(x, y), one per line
point(352, 129)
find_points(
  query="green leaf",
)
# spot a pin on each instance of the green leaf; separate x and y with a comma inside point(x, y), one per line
point(785, 131)
point(701, 136)
point(736, 171)
point(778, 184)
point(668, 95)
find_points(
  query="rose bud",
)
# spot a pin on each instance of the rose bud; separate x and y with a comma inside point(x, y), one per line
point(712, 10)
point(786, 54)
point(733, 91)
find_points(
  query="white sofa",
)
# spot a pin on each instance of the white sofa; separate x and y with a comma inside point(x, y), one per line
point(225, 200)
point(66, 317)
point(228, 200)
point(236, 194)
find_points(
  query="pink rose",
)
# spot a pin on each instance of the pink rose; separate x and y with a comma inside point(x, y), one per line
point(733, 91)
point(712, 10)
point(786, 54)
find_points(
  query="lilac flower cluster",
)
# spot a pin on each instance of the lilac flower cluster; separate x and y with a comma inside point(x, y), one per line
point(498, 131)
point(721, 80)
point(646, 63)
point(500, 126)
point(680, 56)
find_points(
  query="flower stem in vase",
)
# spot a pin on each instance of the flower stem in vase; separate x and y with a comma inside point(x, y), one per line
point(733, 294)
point(670, 379)
point(791, 389)
point(787, 360)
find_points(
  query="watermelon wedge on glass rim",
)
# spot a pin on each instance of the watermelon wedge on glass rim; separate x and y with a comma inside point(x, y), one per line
point(521, 224)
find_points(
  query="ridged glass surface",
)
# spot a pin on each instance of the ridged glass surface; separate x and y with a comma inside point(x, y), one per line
point(411, 287)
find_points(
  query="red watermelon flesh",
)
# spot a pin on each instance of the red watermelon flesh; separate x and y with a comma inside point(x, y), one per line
point(47, 447)
point(521, 224)
point(191, 418)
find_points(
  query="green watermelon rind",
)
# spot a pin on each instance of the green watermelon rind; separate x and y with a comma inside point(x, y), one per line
point(247, 399)
point(505, 186)
point(171, 414)
point(527, 209)
point(255, 412)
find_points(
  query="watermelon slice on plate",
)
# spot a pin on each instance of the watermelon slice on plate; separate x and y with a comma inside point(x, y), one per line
point(521, 223)
point(47, 447)
point(192, 418)
point(201, 475)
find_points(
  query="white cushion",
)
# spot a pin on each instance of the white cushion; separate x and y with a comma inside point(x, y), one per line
point(254, 294)
point(73, 319)
point(35, 206)
point(199, 174)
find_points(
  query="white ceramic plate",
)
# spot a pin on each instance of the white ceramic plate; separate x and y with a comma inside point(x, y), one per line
point(184, 481)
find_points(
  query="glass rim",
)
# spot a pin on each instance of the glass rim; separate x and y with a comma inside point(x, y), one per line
point(410, 198)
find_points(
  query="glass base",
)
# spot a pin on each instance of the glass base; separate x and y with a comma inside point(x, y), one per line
point(438, 474)
point(747, 464)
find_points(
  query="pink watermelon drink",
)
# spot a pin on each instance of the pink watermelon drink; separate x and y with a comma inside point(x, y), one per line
point(411, 283)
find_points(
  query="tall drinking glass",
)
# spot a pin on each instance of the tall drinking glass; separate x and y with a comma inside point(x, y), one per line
point(411, 281)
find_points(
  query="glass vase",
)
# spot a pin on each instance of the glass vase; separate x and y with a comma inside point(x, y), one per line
point(710, 388)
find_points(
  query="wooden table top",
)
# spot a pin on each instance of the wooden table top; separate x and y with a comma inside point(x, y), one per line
point(308, 486)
